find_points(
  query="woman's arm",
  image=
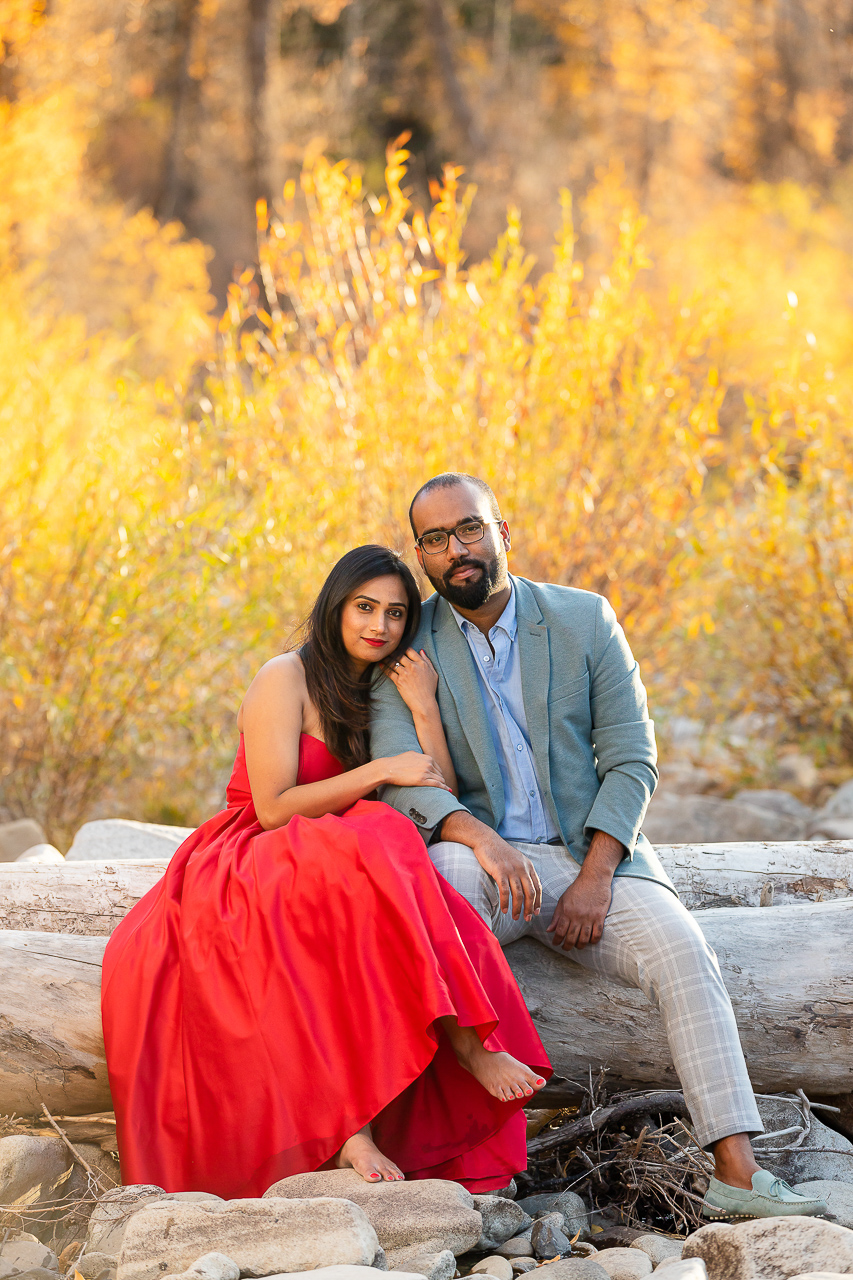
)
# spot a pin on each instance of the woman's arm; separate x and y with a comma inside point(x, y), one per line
point(416, 680)
point(271, 722)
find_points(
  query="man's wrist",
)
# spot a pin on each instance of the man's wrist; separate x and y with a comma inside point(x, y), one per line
point(603, 856)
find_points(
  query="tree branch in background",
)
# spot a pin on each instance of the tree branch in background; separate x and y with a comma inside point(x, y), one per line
point(177, 187)
point(463, 117)
point(257, 51)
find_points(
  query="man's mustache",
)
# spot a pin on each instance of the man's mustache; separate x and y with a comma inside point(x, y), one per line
point(463, 564)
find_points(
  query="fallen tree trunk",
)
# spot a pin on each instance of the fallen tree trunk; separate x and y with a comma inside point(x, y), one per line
point(789, 971)
point(77, 897)
point(759, 873)
point(91, 897)
point(51, 1046)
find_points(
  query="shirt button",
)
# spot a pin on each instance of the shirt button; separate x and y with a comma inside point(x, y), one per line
point(531, 793)
point(519, 747)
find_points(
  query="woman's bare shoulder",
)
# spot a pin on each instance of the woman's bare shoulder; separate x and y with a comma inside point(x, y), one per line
point(281, 676)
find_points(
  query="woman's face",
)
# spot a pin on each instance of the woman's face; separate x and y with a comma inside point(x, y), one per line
point(373, 619)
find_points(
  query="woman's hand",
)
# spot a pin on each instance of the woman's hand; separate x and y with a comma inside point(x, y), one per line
point(416, 681)
point(411, 769)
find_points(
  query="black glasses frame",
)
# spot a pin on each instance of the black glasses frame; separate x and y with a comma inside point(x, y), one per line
point(453, 533)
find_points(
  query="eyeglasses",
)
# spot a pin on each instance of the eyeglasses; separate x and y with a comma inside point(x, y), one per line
point(432, 544)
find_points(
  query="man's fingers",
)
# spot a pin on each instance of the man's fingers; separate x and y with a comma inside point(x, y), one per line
point(518, 897)
point(503, 890)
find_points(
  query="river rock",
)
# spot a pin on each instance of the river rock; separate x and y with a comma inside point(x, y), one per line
point(263, 1237)
point(495, 1266)
point(22, 1255)
point(44, 854)
point(522, 1265)
point(820, 1275)
point(501, 1220)
point(682, 1269)
point(776, 802)
point(111, 839)
point(770, 1248)
point(679, 819)
point(211, 1266)
point(575, 1214)
point(683, 778)
point(342, 1271)
point(17, 837)
point(548, 1237)
point(31, 1167)
point(97, 1266)
point(114, 1210)
point(36, 1273)
point(568, 1203)
point(518, 1247)
point(625, 1264)
point(572, 1269)
point(431, 1212)
point(840, 803)
point(538, 1204)
point(838, 1196)
point(822, 828)
point(434, 1266)
point(658, 1247)
point(824, 1155)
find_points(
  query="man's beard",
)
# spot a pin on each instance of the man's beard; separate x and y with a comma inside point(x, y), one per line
point(474, 592)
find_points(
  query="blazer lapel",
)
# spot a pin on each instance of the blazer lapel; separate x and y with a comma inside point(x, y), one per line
point(534, 651)
point(457, 667)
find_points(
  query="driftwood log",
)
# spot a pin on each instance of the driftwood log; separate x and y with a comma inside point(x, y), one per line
point(91, 897)
point(78, 897)
point(789, 970)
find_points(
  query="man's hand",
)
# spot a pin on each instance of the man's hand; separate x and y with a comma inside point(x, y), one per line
point(580, 914)
point(514, 874)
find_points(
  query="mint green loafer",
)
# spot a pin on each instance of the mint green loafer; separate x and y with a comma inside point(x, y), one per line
point(770, 1197)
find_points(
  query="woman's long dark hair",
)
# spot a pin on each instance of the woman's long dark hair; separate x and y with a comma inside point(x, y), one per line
point(341, 697)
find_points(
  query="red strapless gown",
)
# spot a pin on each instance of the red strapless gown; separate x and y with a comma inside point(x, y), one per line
point(277, 990)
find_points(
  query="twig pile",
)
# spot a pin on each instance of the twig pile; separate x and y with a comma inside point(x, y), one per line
point(632, 1156)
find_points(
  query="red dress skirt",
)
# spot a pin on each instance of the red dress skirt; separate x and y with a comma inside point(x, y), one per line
point(278, 990)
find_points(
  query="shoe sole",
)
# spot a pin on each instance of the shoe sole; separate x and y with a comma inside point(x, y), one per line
point(722, 1216)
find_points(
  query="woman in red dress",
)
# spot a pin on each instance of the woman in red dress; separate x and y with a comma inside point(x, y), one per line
point(302, 989)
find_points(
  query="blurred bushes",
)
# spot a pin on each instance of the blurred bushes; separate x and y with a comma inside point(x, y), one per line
point(665, 422)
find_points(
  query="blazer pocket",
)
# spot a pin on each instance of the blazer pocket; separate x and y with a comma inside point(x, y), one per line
point(560, 698)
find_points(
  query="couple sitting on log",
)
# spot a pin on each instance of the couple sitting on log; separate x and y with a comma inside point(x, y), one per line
point(318, 979)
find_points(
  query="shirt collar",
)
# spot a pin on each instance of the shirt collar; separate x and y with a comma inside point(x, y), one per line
point(508, 621)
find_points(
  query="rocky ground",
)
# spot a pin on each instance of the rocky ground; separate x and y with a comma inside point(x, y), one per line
point(614, 1181)
point(616, 1199)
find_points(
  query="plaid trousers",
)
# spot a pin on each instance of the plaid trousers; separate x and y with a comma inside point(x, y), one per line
point(650, 942)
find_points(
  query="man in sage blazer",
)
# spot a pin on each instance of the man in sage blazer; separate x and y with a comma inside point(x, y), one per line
point(547, 727)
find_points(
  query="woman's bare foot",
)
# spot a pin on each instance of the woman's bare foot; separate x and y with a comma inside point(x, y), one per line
point(502, 1074)
point(361, 1153)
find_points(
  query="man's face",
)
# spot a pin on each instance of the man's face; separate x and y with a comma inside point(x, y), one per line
point(466, 574)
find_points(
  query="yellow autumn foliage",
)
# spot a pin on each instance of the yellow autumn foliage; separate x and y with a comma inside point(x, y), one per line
point(664, 421)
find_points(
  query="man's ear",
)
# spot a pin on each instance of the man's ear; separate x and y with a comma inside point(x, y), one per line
point(506, 536)
point(420, 556)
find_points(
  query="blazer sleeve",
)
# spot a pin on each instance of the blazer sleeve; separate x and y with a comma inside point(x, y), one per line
point(623, 736)
point(392, 731)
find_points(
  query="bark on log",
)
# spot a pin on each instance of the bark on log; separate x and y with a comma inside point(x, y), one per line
point(789, 972)
point(738, 874)
point(77, 897)
point(91, 897)
point(51, 1046)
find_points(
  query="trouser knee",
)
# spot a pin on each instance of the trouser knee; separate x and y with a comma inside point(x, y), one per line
point(461, 869)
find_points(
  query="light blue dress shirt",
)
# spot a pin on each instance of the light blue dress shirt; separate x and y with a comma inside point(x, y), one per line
point(526, 817)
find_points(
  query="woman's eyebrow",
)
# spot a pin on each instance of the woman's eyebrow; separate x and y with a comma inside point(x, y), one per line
point(394, 604)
